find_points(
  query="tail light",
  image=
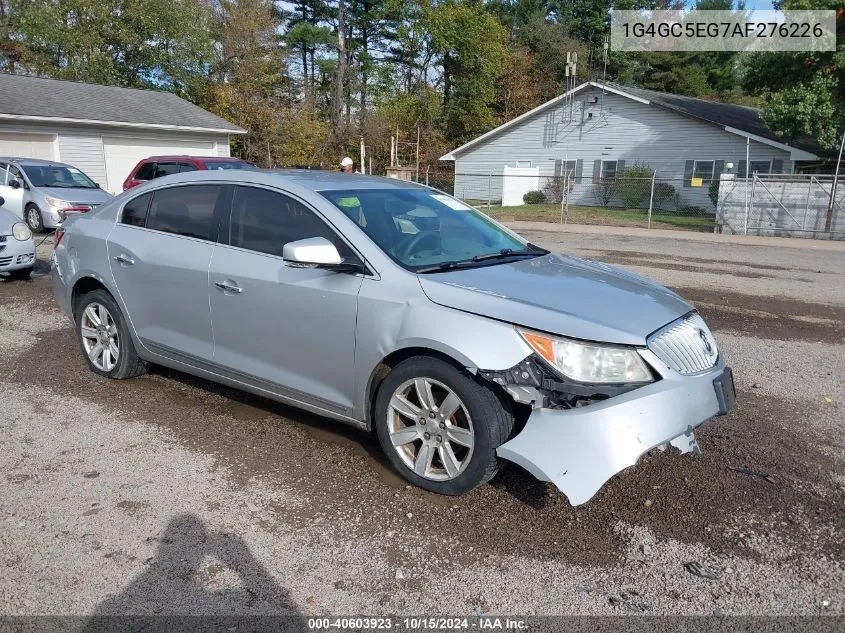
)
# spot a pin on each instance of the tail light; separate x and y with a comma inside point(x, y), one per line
point(57, 237)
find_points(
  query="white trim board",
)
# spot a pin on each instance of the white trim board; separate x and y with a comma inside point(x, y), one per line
point(125, 124)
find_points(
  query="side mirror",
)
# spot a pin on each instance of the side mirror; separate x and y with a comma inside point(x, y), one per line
point(2, 201)
point(14, 183)
point(318, 252)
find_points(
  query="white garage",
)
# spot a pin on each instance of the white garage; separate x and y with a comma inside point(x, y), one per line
point(29, 145)
point(103, 130)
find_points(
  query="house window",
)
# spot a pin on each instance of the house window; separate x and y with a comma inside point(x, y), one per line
point(703, 169)
point(774, 166)
point(609, 168)
point(761, 166)
point(565, 168)
point(523, 163)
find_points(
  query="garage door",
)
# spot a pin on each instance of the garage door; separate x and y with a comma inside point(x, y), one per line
point(27, 145)
point(123, 153)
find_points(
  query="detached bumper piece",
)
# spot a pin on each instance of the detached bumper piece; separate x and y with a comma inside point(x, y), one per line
point(580, 449)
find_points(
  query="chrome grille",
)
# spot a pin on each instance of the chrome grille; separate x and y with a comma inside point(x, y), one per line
point(686, 345)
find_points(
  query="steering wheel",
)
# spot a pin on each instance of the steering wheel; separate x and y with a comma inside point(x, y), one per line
point(405, 250)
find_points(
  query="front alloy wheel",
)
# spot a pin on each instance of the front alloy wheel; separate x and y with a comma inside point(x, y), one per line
point(100, 337)
point(430, 429)
point(439, 426)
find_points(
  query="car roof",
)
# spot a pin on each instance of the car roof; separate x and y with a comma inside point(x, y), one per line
point(33, 161)
point(313, 180)
point(206, 159)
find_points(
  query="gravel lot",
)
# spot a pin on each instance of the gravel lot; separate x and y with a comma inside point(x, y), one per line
point(168, 494)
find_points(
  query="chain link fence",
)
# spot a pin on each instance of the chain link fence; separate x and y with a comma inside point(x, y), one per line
point(649, 201)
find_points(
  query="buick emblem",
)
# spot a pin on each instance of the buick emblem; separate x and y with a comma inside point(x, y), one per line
point(705, 340)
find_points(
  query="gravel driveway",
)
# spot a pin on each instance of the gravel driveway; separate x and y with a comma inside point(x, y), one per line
point(169, 494)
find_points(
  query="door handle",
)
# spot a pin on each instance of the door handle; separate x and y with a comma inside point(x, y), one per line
point(124, 259)
point(228, 286)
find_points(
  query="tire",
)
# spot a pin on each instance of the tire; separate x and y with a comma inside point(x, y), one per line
point(33, 218)
point(481, 412)
point(128, 364)
point(21, 273)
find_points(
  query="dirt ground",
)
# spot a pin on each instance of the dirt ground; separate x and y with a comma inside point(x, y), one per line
point(169, 494)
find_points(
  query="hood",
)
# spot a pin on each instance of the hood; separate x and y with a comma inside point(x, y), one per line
point(562, 295)
point(7, 219)
point(83, 196)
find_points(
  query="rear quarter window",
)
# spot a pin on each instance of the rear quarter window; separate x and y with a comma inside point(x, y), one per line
point(135, 211)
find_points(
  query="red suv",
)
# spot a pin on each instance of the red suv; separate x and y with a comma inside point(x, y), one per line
point(158, 166)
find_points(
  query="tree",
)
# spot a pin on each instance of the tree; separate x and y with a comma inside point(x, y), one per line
point(138, 43)
point(249, 84)
point(804, 93)
point(471, 47)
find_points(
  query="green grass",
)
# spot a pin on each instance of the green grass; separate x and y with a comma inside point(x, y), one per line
point(598, 215)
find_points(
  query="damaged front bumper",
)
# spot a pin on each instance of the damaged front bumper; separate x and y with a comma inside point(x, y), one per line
point(579, 449)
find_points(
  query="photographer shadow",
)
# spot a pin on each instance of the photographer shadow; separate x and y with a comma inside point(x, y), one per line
point(185, 591)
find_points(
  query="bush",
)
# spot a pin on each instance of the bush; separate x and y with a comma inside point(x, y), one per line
point(534, 197)
point(663, 193)
point(633, 184)
point(713, 192)
point(604, 190)
point(691, 209)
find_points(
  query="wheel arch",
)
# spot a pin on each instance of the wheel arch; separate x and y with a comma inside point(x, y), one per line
point(386, 365)
point(85, 284)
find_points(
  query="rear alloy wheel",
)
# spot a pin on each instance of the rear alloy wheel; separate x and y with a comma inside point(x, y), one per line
point(34, 219)
point(100, 338)
point(104, 337)
point(439, 426)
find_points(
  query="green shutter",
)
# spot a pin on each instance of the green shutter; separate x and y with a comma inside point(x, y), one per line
point(689, 166)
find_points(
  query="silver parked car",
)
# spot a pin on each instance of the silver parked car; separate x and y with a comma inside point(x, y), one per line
point(43, 193)
point(17, 249)
point(396, 308)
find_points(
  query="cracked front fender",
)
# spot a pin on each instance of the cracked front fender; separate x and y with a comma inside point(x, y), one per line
point(580, 449)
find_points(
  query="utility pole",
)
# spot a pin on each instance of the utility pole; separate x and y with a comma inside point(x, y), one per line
point(828, 223)
point(418, 153)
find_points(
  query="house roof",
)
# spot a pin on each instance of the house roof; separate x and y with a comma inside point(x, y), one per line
point(734, 119)
point(26, 98)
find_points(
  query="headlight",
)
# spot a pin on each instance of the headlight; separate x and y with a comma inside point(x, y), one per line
point(21, 231)
point(55, 202)
point(589, 362)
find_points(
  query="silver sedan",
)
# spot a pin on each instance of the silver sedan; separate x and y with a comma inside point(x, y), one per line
point(399, 309)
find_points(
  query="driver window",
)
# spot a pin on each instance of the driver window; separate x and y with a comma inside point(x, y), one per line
point(15, 173)
point(4, 174)
point(264, 221)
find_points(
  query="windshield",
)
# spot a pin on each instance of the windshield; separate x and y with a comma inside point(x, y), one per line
point(57, 176)
point(228, 164)
point(427, 231)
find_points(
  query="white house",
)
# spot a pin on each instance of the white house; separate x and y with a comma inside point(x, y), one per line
point(595, 130)
point(103, 130)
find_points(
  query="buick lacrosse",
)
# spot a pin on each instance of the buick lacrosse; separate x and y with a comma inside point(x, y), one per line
point(396, 308)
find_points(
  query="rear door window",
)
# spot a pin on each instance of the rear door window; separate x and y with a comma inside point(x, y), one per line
point(146, 171)
point(135, 211)
point(187, 210)
point(183, 167)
